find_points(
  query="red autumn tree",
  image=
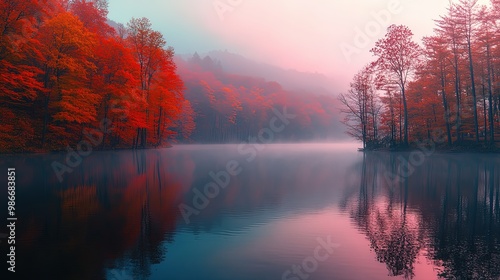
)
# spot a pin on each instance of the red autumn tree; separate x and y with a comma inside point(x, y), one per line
point(148, 48)
point(93, 15)
point(66, 46)
point(19, 85)
point(398, 57)
point(116, 82)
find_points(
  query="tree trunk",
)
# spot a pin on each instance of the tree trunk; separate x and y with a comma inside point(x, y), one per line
point(405, 107)
point(158, 133)
point(458, 99)
point(446, 112)
point(490, 96)
point(473, 88)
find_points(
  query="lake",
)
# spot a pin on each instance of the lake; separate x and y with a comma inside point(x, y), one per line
point(263, 212)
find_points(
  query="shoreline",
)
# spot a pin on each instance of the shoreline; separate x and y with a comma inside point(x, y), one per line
point(53, 152)
point(463, 149)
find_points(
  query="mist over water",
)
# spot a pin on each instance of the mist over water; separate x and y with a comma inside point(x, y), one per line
point(117, 215)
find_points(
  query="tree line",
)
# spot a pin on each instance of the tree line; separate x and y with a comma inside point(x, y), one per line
point(231, 108)
point(446, 87)
point(66, 73)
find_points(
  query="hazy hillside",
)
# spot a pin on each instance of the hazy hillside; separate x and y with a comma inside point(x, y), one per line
point(289, 79)
point(230, 106)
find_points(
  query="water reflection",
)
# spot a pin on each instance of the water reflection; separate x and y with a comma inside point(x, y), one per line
point(447, 210)
point(114, 204)
point(116, 215)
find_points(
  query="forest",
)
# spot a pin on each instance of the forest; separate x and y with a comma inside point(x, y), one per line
point(445, 90)
point(69, 75)
point(232, 108)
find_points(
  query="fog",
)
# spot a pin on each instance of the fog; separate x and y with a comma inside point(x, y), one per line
point(308, 36)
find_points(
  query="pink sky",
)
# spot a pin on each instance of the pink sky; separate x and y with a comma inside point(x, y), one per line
point(298, 34)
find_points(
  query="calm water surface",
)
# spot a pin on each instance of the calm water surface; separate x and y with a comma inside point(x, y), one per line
point(117, 215)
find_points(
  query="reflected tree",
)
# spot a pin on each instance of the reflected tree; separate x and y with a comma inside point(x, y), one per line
point(452, 218)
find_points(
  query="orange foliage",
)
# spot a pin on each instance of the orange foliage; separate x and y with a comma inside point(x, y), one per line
point(63, 69)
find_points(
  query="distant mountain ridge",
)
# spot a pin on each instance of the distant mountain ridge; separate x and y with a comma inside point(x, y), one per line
point(288, 78)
